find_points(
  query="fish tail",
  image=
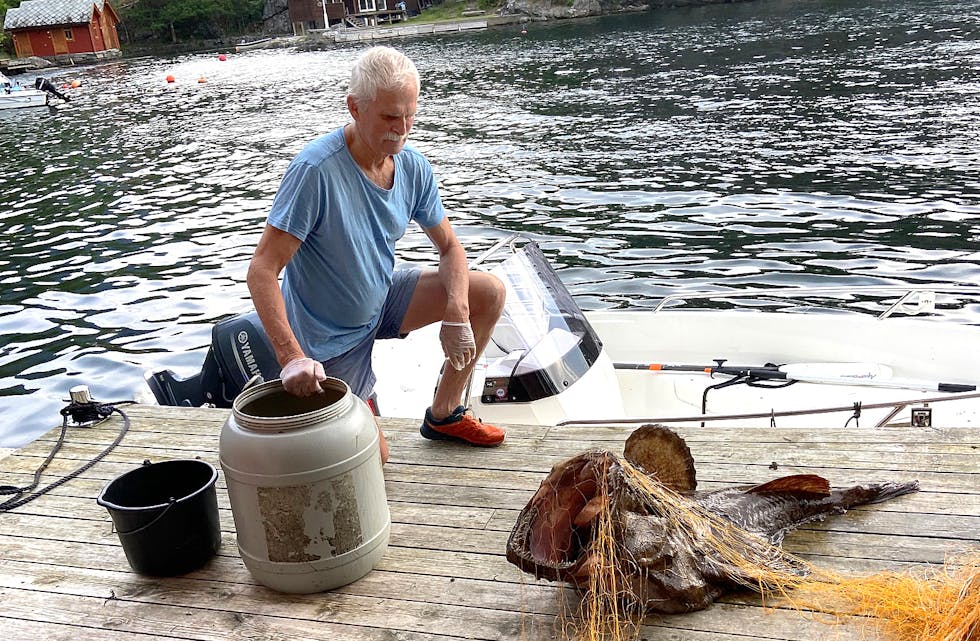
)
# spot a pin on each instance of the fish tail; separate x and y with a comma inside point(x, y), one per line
point(874, 493)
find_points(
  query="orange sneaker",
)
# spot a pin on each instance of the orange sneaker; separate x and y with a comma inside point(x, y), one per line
point(462, 427)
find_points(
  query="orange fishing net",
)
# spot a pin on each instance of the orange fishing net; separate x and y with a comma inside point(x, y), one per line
point(935, 604)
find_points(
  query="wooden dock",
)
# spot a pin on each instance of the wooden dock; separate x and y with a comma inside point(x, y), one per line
point(63, 574)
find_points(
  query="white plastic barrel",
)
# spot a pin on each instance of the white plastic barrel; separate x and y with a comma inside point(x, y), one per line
point(306, 486)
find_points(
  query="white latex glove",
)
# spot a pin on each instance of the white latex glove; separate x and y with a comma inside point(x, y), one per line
point(302, 376)
point(458, 343)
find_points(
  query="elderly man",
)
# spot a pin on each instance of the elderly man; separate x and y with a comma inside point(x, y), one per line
point(343, 202)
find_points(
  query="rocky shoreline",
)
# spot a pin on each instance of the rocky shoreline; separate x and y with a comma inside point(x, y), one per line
point(513, 11)
point(15, 66)
point(561, 9)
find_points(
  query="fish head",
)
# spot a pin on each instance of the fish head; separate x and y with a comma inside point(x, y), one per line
point(553, 533)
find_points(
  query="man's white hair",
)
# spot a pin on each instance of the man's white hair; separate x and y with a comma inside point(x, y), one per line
point(381, 69)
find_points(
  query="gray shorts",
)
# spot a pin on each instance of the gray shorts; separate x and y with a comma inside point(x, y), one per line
point(354, 366)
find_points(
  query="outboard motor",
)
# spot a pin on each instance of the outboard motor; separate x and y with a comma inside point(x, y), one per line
point(43, 84)
point(240, 350)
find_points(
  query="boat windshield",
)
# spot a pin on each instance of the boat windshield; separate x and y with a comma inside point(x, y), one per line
point(547, 341)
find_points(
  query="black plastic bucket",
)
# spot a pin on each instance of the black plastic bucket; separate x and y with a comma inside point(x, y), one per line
point(166, 515)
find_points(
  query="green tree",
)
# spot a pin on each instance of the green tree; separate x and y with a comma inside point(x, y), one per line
point(6, 42)
point(177, 19)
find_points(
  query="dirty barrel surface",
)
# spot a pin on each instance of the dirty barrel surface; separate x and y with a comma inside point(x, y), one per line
point(306, 486)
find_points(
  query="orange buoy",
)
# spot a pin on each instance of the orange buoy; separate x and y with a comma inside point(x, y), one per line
point(170, 78)
point(222, 57)
point(202, 79)
point(75, 84)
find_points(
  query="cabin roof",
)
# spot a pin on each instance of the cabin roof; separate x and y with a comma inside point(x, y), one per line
point(44, 13)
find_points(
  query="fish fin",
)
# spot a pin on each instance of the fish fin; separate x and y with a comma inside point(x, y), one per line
point(662, 454)
point(803, 485)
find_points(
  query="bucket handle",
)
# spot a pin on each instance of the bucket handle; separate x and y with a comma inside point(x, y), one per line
point(159, 516)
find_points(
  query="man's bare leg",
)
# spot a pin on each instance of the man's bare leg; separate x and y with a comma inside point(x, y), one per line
point(382, 442)
point(486, 300)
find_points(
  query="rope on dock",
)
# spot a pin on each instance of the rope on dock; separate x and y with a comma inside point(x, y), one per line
point(81, 413)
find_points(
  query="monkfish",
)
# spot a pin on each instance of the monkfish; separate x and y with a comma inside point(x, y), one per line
point(678, 548)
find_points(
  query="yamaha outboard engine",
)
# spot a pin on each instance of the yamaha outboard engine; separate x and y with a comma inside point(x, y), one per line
point(43, 84)
point(239, 351)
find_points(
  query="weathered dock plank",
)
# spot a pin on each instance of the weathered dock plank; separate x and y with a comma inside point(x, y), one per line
point(63, 573)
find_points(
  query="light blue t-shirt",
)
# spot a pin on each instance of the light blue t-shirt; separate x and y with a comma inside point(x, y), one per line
point(337, 281)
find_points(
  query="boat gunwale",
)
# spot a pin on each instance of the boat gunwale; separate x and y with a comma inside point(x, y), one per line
point(825, 292)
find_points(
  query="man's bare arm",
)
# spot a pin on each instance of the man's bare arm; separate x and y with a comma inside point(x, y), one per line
point(273, 253)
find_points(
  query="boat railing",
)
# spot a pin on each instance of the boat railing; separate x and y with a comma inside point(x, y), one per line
point(895, 407)
point(511, 240)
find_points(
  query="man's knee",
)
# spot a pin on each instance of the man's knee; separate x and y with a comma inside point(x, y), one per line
point(490, 293)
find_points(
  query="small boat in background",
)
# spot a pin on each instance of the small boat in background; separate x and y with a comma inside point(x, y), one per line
point(14, 96)
point(781, 357)
point(253, 44)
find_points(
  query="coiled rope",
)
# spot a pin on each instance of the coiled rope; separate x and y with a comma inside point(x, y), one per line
point(91, 413)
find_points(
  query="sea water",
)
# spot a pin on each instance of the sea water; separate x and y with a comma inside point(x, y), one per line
point(752, 144)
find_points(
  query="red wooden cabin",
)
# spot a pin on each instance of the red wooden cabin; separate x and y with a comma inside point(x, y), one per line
point(49, 28)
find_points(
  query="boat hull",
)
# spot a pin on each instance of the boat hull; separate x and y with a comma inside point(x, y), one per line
point(23, 99)
point(254, 44)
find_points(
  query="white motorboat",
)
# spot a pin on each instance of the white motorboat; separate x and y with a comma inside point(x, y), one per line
point(14, 96)
point(803, 362)
point(549, 363)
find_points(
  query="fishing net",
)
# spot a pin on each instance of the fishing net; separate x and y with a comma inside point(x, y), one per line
point(934, 604)
point(589, 541)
